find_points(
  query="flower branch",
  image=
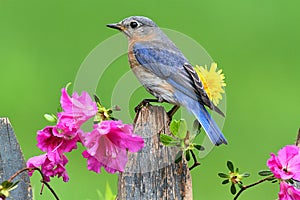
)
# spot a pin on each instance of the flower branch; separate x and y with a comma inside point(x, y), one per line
point(196, 163)
point(283, 168)
point(245, 187)
point(9, 185)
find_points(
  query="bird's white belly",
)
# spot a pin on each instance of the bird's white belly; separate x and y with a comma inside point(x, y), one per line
point(158, 87)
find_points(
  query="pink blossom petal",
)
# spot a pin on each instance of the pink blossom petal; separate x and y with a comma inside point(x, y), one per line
point(50, 140)
point(107, 146)
point(76, 110)
point(294, 167)
point(287, 153)
point(90, 141)
point(36, 162)
point(287, 164)
point(288, 192)
point(110, 155)
point(275, 166)
point(121, 135)
point(93, 163)
point(125, 141)
point(49, 167)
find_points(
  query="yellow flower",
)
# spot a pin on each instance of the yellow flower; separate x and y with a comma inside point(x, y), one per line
point(213, 81)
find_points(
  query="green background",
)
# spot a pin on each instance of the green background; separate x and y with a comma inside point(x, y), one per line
point(256, 43)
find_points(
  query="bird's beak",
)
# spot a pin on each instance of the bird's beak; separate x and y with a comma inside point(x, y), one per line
point(116, 26)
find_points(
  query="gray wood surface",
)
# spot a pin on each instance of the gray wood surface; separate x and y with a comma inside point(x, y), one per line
point(12, 160)
point(298, 138)
point(152, 172)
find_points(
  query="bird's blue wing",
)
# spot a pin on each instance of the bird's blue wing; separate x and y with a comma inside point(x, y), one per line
point(170, 65)
point(207, 122)
point(166, 63)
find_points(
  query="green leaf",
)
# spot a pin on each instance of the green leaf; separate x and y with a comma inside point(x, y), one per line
point(108, 193)
point(230, 166)
point(97, 100)
point(265, 173)
point(196, 127)
point(187, 155)
point(222, 175)
point(196, 130)
point(4, 193)
point(9, 185)
point(232, 189)
point(179, 128)
point(178, 157)
point(272, 179)
point(97, 118)
point(68, 85)
point(6, 187)
point(182, 131)
point(245, 175)
point(290, 181)
point(100, 195)
point(6, 184)
point(50, 117)
point(13, 186)
point(174, 126)
point(199, 147)
point(225, 181)
point(168, 140)
point(240, 184)
point(59, 108)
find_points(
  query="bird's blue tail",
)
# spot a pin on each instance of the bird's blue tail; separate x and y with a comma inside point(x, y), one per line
point(208, 124)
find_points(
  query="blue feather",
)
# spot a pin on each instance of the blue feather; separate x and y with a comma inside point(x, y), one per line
point(208, 124)
point(168, 65)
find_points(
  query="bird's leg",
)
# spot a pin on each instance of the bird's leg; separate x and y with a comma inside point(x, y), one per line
point(144, 103)
point(172, 111)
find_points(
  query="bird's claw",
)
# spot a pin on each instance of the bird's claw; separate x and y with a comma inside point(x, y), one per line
point(171, 112)
point(139, 107)
point(143, 103)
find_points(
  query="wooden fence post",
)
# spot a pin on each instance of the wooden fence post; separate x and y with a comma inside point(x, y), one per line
point(152, 173)
point(12, 160)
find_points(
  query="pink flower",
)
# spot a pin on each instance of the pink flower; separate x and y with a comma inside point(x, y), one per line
point(50, 140)
point(62, 138)
point(287, 164)
point(107, 145)
point(288, 192)
point(76, 110)
point(51, 166)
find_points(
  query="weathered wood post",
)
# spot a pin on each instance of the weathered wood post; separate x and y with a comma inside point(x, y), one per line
point(12, 160)
point(298, 139)
point(152, 173)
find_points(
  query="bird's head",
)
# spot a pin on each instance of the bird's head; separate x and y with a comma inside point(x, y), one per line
point(135, 26)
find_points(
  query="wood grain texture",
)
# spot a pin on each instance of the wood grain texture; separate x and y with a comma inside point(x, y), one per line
point(152, 172)
point(12, 160)
point(298, 138)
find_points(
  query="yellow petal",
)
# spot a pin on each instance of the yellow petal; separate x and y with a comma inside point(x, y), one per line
point(212, 80)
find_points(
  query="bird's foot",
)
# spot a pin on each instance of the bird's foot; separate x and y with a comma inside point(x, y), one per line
point(145, 102)
point(171, 112)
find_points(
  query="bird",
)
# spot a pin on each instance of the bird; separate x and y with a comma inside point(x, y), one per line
point(166, 73)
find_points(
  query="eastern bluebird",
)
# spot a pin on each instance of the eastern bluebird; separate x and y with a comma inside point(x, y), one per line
point(164, 71)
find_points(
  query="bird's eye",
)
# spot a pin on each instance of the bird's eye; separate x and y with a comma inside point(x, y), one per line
point(133, 24)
